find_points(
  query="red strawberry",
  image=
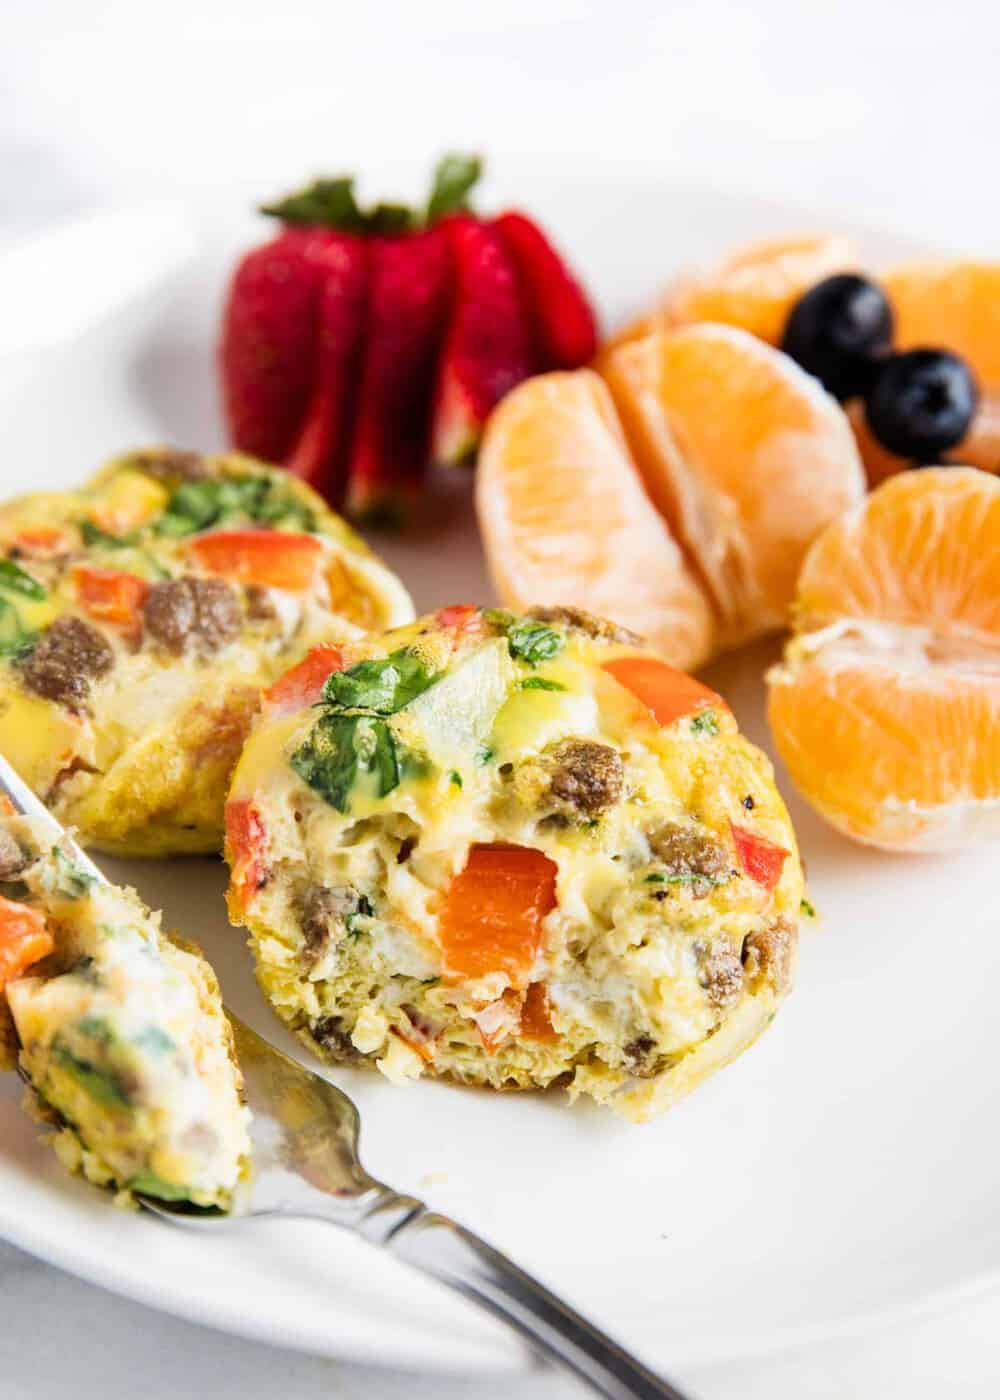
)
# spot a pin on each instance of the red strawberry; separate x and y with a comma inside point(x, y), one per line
point(563, 324)
point(360, 342)
point(268, 336)
point(319, 452)
point(407, 303)
point(488, 347)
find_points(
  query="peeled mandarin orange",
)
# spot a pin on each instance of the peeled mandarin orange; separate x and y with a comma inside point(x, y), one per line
point(947, 305)
point(886, 707)
point(754, 288)
point(565, 519)
point(950, 305)
point(744, 454)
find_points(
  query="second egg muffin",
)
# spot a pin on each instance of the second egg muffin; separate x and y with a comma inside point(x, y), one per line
point(139, 617)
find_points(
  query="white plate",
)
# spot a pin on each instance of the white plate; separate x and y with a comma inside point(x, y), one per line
point(843, 1171)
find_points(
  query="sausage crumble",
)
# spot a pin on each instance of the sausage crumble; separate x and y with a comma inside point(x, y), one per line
point(685, 852)
point(12, 858)
point(720, 973)
point(171, 464)
point(203, 610)
point(599, 628)
point(586, 776)
point(769, 955)
point(69, 656)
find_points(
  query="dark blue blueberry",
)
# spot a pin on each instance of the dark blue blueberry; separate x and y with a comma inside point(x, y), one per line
point(921, 403)
point(838, 331)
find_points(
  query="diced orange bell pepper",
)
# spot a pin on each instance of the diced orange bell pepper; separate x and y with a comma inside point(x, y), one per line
point(302, 685)
point(270, 558)
point(24, 939)
point(246, 848)
point(44, 541)
point(491, 917)
point(668, 693)
point(111, 596)
point(759, 858)
point(536, 1022)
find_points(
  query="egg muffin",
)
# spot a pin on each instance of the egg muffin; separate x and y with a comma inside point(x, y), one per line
point(514, 851)
point(139, 618)
point(119, 1031)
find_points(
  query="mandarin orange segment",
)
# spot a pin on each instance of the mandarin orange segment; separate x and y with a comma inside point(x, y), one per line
point(755, 287)
point(565, 518)
point(744, 454)
point(948, 304)
point(886, 708)
point(922, 551)
point(895, 759)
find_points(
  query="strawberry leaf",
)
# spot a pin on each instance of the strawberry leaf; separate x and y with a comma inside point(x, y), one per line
point(330, 203)
point(389, 219)
point(453, 179)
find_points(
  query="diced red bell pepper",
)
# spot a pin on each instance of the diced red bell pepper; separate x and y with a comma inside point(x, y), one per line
point(303, 684)
point(111, 596)
point(24, 939)
point(270, 558)
point(464, 620)
point(246, 850)
point(536, 1021)
point(491, 917)
point(759, 858)
point(668, 693)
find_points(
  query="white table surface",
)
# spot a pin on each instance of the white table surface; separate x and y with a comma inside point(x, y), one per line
point(888, 108)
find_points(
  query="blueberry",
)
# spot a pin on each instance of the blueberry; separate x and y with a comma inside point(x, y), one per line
point(838, 330)
point(921, 403)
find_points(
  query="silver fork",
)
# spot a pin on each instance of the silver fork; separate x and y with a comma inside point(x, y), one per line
point(306, 1165)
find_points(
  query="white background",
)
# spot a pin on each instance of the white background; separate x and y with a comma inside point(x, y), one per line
point(889, 111)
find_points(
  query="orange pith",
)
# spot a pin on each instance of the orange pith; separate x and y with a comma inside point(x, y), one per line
point(744, 455)
point(886, 709)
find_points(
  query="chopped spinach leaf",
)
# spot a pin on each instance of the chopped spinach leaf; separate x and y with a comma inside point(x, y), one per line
point(540, 683)
point(684, 877)
point(455, 778)
point(807, 909)
point(199, 505)
point(97, 1029)
point(93, 536)
point(18, 580)
point(532, 641)
point(485, 754)
point(382, 686)
point(100, 1082)
point(149, 1184)
point(705, 722)
point(65, 877)
point(16, 640)
point(341, 748)
point(155, 1039)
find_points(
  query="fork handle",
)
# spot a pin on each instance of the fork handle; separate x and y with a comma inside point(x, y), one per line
point(455, 1256)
